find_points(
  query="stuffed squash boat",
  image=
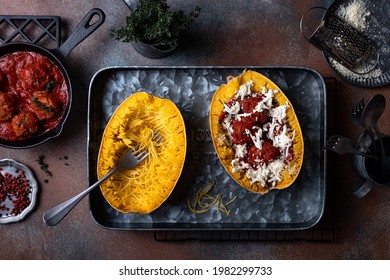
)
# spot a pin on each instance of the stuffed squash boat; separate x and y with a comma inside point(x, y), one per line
point(256, 133)
point(132, 126)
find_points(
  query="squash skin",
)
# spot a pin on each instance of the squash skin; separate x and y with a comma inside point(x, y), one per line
point(168, 158)
point(226, 153)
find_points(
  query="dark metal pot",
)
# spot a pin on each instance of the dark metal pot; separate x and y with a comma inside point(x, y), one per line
point(146, 49)
point(85, 28)
point(367, 169)
point(152, 50)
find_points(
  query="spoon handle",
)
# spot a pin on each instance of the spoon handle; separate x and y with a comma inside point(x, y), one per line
point(54, 215)
point(372, 138)
point(384, 164)
point(366, 155)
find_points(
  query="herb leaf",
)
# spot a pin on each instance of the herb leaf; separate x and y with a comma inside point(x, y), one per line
point(39, 104)
point(43, 165)
point(50, 85)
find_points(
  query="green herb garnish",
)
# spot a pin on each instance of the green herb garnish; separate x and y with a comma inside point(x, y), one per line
point(40, 105)
point(50, 85)
point(153, 21)
point(43, 165)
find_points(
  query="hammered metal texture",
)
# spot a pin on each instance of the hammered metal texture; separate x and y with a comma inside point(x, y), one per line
point(192, 88)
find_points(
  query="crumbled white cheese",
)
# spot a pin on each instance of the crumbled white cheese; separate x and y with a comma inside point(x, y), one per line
point(279, 113)
point(238, 165)
point(266, 102)
point(239, 116)
point(257, 138)
point(284, 141)
point(244, 90)
point(234, 109)
point(271, 127)
point(227, 124)
point(265, 174)
point(260, 175)
point(241, 151)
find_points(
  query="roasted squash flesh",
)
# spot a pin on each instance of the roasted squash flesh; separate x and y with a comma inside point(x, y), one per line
point(132, 126)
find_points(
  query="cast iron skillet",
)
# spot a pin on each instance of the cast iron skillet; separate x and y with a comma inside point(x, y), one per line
point(86, 27)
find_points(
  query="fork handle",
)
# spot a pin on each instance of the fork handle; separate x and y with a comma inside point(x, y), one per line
point(366, 155)
point(54, 215)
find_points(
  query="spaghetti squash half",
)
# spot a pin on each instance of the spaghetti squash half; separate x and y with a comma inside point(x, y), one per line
point(132, 126)
point(256, 133)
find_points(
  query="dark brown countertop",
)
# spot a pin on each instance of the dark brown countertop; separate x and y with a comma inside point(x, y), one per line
point(227, 33)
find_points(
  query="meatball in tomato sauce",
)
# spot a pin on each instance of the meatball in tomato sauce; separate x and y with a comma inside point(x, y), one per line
point(39, 88)
point(36, 73)
point(7, 106)
point(43, 105)
point(265, 155)
point(25, 124)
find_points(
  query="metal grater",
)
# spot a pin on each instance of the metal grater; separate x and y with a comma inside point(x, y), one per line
point(345, 44)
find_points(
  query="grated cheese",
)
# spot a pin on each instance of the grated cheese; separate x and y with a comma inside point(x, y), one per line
point(355, 14)
point(267, 174)
point(241, 150)
point(245, 90)
point(257, 138)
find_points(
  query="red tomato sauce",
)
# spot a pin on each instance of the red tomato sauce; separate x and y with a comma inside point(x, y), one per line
point(33, 95)
point(250, 123)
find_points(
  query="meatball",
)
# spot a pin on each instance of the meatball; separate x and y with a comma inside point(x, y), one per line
point(35, 74)
point(43, 105)
point(25, 124)
point(244, 125)
point(264, 155)
point(2, 77)
point(241, 127)
point(7, 106)
point(249, 104)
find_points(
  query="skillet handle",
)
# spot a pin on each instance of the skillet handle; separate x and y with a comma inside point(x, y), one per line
point(82, 31)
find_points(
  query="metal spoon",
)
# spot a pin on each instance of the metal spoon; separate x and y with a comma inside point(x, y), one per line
point(372, 111)
point(370, 115)
point(357, 112)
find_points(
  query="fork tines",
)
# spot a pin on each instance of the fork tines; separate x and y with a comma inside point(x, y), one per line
point(158, 137)
point(358, 106)
point(332, 141)
point(141, 155)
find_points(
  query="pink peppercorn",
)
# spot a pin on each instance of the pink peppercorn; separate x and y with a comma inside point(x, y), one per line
point(16, 189)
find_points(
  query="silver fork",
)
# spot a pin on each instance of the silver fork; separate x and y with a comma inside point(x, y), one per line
point(357, 111)
point(128, 160)
point(342, 145)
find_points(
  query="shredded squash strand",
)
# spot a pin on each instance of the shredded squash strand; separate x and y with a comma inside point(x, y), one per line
point(204, 201)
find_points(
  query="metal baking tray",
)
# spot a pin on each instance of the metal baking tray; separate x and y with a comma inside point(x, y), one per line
point(298, 207)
